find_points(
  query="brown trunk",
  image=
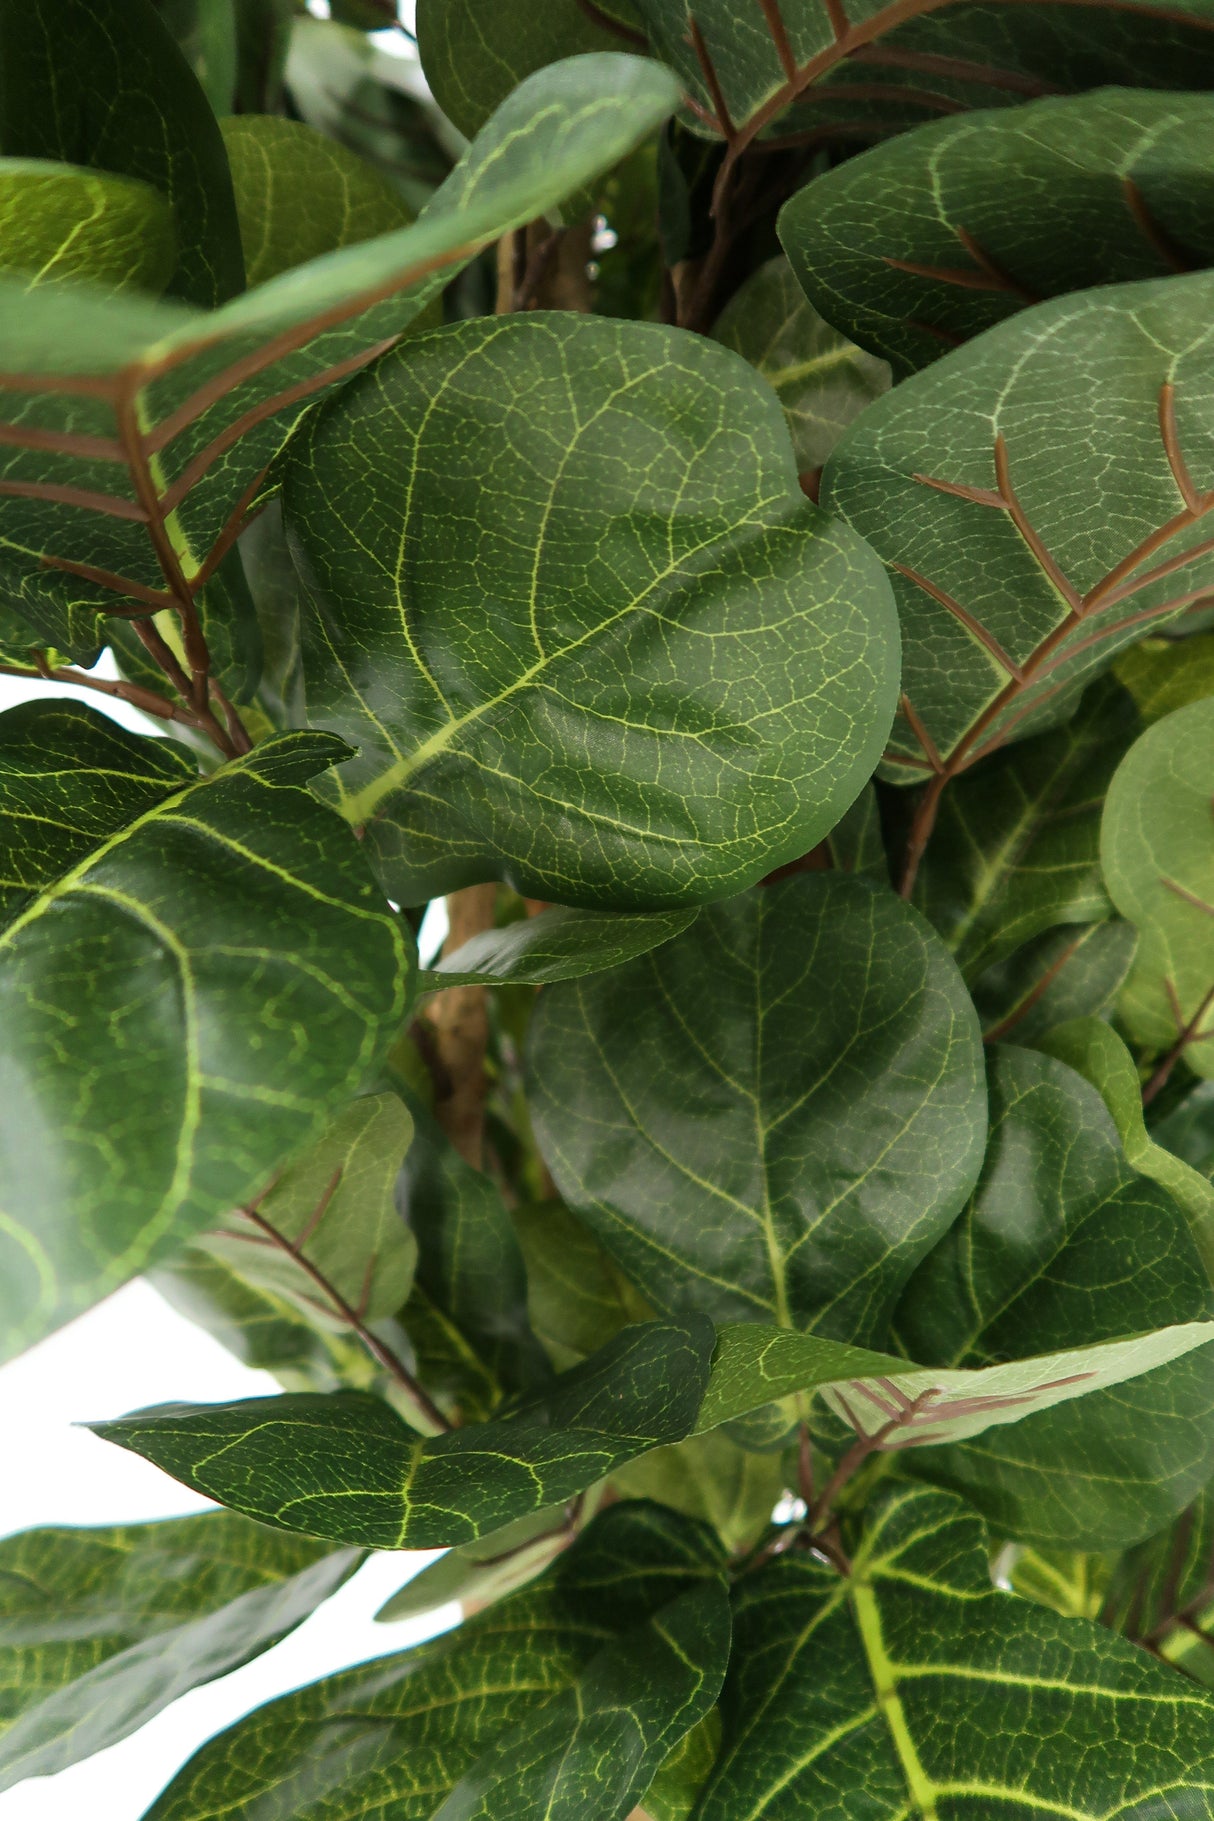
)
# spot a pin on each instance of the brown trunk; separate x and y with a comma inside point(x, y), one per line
point(460, 1017)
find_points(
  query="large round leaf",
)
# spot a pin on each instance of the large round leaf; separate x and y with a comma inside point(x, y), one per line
point(1062, 1244)
point(787, 1145)
point(569, 602)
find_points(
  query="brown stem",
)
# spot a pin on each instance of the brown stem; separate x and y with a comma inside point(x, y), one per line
point(144, 699)
point(460, 1020)
point(922, 826)
point(858, 1453)
point(432, 1418)
point(1162, 1075)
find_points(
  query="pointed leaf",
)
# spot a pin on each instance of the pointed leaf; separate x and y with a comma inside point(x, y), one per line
point(559, 944)
point(345, 1467)
point(398, 1732)
point(184, 1085)
point(991, 486)
point(60, 221)
point(916, 1682)
point(140, 434)
point(1157, 850)
point(581, 508)
point(820, 378)
point(921, 243)
point(789, 1146)
point(100, 1629)
point(1063, 1246)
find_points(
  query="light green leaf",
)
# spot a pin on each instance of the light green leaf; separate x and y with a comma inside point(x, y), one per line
point(100, 1629)
point(675, 1790)
point(345, 1467)
point(991, 486)
point(149, 401)
point(595, 1747)
point(787, 1147)
point(399, 1732)
point(184, 952)
point(1188, 1128)
point(732, 1489)
point(1096, 1051)
point(559, 944)
point(1164, 674)
point(821, 379)
point(101, 82)
point(1064, 1246)
point(1074, 971)
point(59, 221)
point(922, 242)
point(480, 1573)
point(332, 1213)
point(1157, 850)
point(917, 1683)
point(300, 195)
point(1074, 1585)
point(568, 674)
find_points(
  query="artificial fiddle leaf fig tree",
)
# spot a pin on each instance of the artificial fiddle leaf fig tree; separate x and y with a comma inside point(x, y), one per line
point(720, 514)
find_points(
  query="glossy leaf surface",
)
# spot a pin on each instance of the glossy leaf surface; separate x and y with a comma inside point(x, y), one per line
point(787, 1148)
point(559, 944)
point(989, 485)
point(184, 1087)
point(616, 657)
point(1063, 1245)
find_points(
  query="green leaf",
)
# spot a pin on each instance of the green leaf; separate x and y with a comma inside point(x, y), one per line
point(1188, 1128)
point(991, 486)
point(1160, 1592)
point(163, 422)
point(399, 1732)
point(59, 221)
point(559, 944)
point(474, 52)
point(345, 1467)
point(469, 1267)
point(478, 1574)
point(871, 67)
point(821, 379)
point(1064, 1246)
point(921, 243)
point(1069, 972)
point(299, 195)
point(577, 1298)
point(1097, 1053)
point(207, 33)
point(595, 1747)
point(100, 1629)
point(185, 952)
point(578, 511)
point(732, 1489)
point(789, 1146)
point(917, 1683)
point(101, 83)
point(1016, 846)
point(1164, 674)
point(1157, 849)
point(330, 1222)
point(675, 1790)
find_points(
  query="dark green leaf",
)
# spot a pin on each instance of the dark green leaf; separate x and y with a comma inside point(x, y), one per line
point(100, 1629)
point(788, 1146)
point(1160, 1592)
point(1188, 1128)
point(916, 1688)
point(577, 1297)
point(397, 1733)
point(1069, 972)
point(299, 195)
point(147, 398)
point(922, 242)
point(207, 34)
point(1157, 849)
point(1016, 847)
point(101, 83)
point(992, 485)
point(185, 953)
point(480, 1573)
point(559, 944)
point(820, 378)
point(1164, 674)
point(1063, 1246)
point(59, 221)
point(732, 1489)
point(346, 1467)
point(589, 694)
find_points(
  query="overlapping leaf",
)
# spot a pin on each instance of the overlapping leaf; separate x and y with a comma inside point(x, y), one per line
point(992, 486)
point(347, 1468)
point(916, 1682)
point(821, 379)
point(923, 242)
point(559, 944)
point(1069, 972)
point(184, 951)
point(100, 1629)
point(1164, 674)
point(138, 436)
point(788, 1146)
point(1157, 850)
point(61, 221)
point(571, 603)
point(1063, 1245)
point(404, 1729)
